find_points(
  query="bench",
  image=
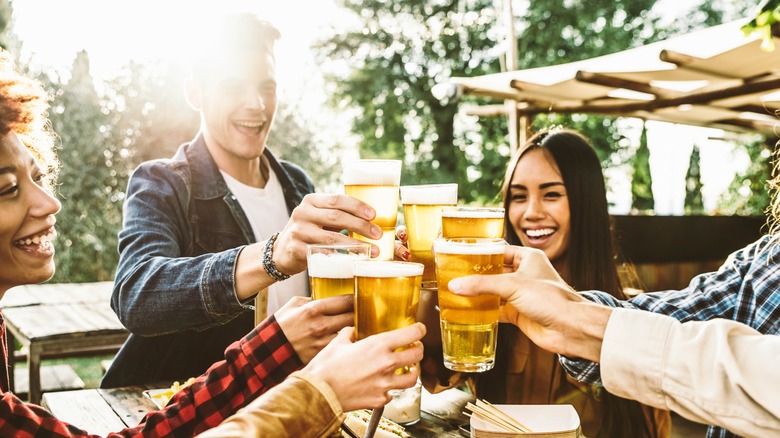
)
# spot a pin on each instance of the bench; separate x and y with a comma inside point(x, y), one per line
point(59, 321)
point(54, 378)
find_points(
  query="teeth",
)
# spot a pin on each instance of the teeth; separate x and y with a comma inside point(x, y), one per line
point(42, 238)
point(540, 232)
point(249, 124)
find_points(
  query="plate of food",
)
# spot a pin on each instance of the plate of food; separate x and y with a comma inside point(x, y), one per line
point(357, 422)
point(161, 396)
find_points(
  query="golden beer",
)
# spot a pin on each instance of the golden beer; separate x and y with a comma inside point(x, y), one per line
point(376, 182)
point(422, 214)
point(469, 325)
point(387, 295)
point(330, 268)
point(472, 222)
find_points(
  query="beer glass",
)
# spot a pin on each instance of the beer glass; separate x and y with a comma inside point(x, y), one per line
point(472, 222)
point(376, 182)
point(387, 294)
point(422, 214)
point(330, 268)
point(469, 325)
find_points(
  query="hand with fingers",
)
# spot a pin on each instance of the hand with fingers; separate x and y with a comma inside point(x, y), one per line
point(318, 220)
point(361, 373)
point(401, 246)
point(310, 325)
point(539, 302)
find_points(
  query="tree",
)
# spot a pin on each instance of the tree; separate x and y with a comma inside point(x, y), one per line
point(6, 12)
point(92, 180)
point(694, 203)
point(402, 48)
point(748, 193)
point(642, 180)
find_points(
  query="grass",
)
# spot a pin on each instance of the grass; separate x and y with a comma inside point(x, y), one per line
point(88, 368)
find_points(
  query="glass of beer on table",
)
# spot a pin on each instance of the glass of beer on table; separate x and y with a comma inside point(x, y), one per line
point(422, 214)
point(472, 222)
point(330, 268)
point(469, 325)
point(387, 294)
point(376, 182)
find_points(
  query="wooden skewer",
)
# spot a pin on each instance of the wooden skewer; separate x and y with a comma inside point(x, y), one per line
point(504, 415)
point(492, 414)
point(493, 418)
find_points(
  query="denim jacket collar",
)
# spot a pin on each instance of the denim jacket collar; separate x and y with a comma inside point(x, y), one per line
point(210, 184)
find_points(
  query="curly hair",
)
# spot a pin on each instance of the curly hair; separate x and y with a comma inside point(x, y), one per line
point(23, 107)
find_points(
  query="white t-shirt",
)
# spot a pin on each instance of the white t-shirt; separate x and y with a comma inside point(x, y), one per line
point(267, 213)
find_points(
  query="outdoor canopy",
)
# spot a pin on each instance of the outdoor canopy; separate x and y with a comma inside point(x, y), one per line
point(716, 77)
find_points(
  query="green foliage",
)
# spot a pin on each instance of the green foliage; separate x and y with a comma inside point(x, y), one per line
point(694, 203)
point(399, 51)
point(294, 138)
point(748, 193)
point(765, 24)
point(642, 180)
point(92, 180)
point(402, 48)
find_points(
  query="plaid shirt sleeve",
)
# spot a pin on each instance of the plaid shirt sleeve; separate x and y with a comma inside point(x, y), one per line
point(259, 361)
point(743, 290)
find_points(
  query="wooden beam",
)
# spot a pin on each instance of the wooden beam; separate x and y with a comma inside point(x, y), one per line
point(676, 58)
point(692, 98)
point(484, 110)
point(611, 81)
point(682, 60)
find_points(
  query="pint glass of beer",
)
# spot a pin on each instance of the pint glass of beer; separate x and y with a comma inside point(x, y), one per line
point(472, 222)
point(469, 325)
point(376, 182)
point(387, 294)
point(330, 268)
point(422, 214)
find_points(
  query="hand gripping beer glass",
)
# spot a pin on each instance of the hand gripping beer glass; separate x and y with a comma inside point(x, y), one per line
point(376, 182)
point(387, 294)
point(422, 214)
point(469, 325)
point(472, 222)
point(330, 268)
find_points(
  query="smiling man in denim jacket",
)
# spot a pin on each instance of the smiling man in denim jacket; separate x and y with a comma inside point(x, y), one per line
point(223, 220)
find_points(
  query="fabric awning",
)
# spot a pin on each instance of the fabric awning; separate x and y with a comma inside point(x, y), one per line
point(715, 77)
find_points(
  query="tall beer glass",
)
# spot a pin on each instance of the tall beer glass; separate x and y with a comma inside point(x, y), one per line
point(376, 182)
point(387, 294)
point(469, 325)
point(422, 214)
point(472, 222)
point(330, 268)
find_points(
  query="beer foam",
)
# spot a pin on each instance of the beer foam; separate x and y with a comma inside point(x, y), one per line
point(472, 246)
point(466, 212)
point(387, 269)
point(372, 172)
point(430, 194)
point(333, 265)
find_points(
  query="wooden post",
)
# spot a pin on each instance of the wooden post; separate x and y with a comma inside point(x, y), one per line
point(515, 133)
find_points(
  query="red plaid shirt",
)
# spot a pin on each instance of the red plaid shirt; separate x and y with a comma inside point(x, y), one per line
point(260, 360)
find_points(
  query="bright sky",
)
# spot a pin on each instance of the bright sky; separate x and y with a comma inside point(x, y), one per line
point(116, 31)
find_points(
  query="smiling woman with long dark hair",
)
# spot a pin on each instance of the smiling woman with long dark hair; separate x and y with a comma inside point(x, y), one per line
point(555, 200)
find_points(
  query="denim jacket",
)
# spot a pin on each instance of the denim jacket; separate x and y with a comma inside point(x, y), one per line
point(174, 288)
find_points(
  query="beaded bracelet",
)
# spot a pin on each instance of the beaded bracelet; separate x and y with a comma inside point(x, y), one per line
point(268, 261)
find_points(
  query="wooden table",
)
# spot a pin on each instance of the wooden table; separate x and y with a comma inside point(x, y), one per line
point(59, 320)
point(101, 411)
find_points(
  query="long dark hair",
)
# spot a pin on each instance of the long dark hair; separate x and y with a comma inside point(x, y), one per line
point(591, 257)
